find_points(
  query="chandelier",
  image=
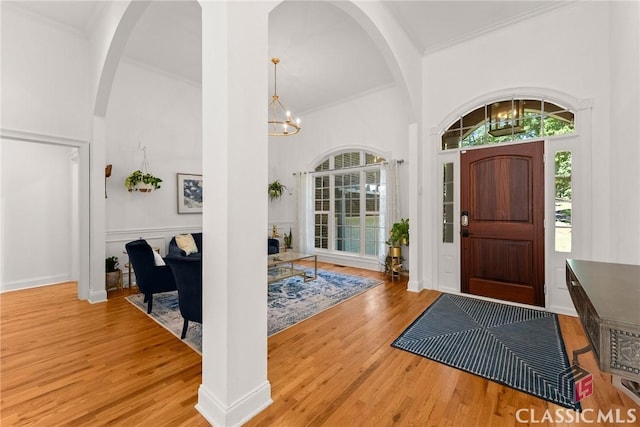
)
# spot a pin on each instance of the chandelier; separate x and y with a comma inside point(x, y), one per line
point(506, 117)
point(280, 123)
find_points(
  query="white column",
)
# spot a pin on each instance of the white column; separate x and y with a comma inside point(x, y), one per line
point(97, 219)
point(234, 114)
point(416, 221)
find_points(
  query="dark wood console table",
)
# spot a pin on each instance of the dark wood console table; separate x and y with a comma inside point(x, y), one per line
point(607, 299)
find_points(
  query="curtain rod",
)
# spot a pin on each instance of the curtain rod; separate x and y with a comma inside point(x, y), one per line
point(400, 161)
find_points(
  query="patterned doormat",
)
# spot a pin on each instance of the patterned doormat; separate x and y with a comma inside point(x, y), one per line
point(518, 347)
point(288, 302)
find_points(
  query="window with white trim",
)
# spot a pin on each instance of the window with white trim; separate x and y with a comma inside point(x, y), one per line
point(346, 188)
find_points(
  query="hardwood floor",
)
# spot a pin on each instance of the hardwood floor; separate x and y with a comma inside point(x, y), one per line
point(68, 362)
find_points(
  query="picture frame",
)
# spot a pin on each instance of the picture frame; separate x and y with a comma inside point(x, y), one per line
point(189, 193)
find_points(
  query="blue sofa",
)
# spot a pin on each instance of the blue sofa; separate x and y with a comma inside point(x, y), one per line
point(175, 251)
point(273, 247)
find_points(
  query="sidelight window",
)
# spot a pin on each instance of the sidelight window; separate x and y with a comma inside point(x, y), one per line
point(563, 201)
point(447, 203)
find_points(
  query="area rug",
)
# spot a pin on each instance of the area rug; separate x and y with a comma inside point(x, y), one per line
point(288, 302)
point(293, 300)
point(518, 347)
point(167, 313)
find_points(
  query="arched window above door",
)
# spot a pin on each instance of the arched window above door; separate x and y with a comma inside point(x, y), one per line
point(508, 120)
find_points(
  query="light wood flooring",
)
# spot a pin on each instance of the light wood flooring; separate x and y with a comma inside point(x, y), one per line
point(68, 362)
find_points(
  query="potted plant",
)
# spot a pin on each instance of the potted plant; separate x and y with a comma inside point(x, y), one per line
point(399, 234)
point(275, 190)
point(113, 272)
point(145, 182)
point(288, 240)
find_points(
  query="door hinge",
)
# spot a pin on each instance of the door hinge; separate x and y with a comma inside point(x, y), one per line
point(545, 289)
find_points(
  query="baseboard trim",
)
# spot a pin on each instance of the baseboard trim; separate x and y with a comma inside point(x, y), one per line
point(97, 296)
point(239, 412)
point(358, 262)
point(567, 311)
point(37, 282)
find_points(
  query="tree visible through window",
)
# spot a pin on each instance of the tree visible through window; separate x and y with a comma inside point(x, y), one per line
point(347, 203)
point(508, 120)
point(563, 206)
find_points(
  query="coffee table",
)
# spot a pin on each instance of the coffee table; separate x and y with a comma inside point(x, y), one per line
point(280, 266)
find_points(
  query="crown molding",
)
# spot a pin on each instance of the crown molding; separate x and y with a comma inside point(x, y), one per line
point(545, 7)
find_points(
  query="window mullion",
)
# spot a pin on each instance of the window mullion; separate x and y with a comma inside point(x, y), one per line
point(363, 209)
point(332, 213)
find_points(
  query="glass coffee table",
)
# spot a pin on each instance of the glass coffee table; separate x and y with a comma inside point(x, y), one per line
point(280, 266)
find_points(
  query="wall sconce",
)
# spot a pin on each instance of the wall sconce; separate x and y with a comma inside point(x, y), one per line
point(107, 174)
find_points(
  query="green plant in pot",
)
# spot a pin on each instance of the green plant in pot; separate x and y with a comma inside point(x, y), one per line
point(399, 234)
point(112, 271)
point(288, 240)
point(276, 189)
point(139, 181)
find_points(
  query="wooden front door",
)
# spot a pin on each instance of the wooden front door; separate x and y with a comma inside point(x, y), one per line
point(502, 193)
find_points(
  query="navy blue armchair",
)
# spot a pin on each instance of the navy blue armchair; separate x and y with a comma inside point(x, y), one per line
point(187, 273)
point(150, 278)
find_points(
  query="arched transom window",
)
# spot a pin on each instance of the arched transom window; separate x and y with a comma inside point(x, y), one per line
point(508, 120)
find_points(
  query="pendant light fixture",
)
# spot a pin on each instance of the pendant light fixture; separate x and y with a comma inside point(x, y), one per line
point(280, 122)
point(506, 117)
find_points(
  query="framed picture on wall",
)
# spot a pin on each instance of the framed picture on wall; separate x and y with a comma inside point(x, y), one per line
point(189, 193)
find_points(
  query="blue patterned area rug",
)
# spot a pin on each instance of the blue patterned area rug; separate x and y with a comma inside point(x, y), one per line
point(292, 300)
point(167, 313)
point(289, 301)
point(519, 347)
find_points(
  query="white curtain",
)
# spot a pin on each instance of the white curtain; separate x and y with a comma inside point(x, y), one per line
point(389, 202)
point(304, 184)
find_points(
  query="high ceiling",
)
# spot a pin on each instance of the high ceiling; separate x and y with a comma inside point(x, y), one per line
point(325, 55)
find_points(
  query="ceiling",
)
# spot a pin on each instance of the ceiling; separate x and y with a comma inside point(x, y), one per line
point(325, 55)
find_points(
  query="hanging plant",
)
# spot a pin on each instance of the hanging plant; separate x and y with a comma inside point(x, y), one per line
point(145, 182)
point(276, 190)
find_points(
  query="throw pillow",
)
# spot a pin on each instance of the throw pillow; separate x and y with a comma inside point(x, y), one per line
point(186, 243)
point(158, 259)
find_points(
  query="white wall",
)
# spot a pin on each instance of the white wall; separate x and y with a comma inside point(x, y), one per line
point(625, 132)
point(377, 121)
point(164, 114)
point(36, 214)
point(44, 82)
point(45, 77)
point(45, 90)
point(546, 52)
